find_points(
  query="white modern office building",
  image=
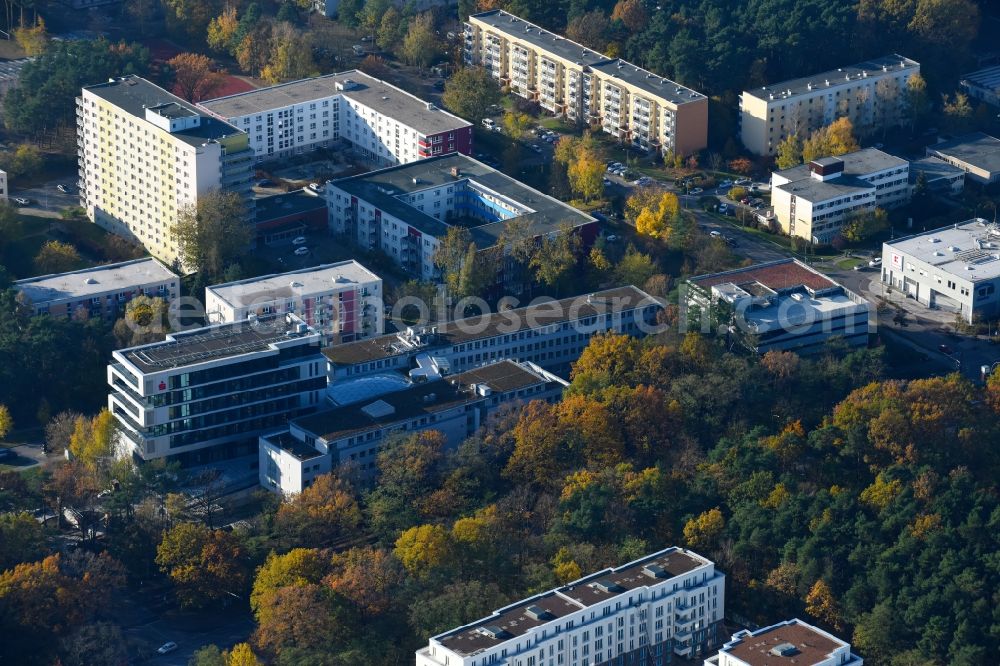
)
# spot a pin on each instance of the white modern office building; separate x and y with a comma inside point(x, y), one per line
point(789, 643)
point(349, 436)
point(977, 154)
point(955, 269)
point(565, 78)
point(813, 201)
point(146, 154)
point(102, 291)
point(644, 612)
point(343, 301)
point(782, 305)
point(549, 333)
point(207, 394)
point(405, 211)
point(384, 124)
point(873, 94)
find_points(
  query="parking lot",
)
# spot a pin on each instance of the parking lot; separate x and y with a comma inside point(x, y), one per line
point(47, 196)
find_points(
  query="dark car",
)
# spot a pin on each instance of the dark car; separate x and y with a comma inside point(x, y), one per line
point(265, 183)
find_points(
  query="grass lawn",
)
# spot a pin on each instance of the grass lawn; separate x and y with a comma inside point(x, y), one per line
point(849, 263)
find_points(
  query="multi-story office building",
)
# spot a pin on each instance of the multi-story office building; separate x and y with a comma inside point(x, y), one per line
point(782, 305)
point(405, 211)
point(343, 301)
point(983, 85)
point(813, 201)
point(551, 334)
point(567, 79)
point(955, 269)
point(350, 436)
point(789, 643)
point(384, 125)
point(101, 291)
point(208, 394)
point(145, 154)
point(873, 94)
point(977, 154)
point(644, 612)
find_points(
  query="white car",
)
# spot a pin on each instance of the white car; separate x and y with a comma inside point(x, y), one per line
point(167, 648)
point(63, 189)
point(299, 240)
point(21, 201)
point(875, 262)
point(301, 251)
point(715, 234)
point(696, 190)
point(489, 123)
point(315, 187)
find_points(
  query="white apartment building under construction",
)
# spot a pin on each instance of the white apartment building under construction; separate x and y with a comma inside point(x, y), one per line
point(145, 154)
point(567, 79)
point(873, 94)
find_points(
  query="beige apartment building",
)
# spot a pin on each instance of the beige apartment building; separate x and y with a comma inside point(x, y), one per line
point(873, 94)
point(567, 79)
point(145, 154)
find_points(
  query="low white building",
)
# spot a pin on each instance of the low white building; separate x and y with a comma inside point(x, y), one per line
point(101, 291)
point(207, 394)
point(342, 300)
point(668, 603)
point(782, 305)
point(350, 436)
point(789, 643)
point(813, 201)
point(955, 269)
point(941, 177)
point(977, 154)
point(405, 211)
point(384, 124)
point(983, 84)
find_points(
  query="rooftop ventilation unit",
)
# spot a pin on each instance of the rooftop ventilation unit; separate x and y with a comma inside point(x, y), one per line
point(537, 613)
point(294, 284)
point(91, 281)
point(783, 650)
point(608, 586)
point(494, 632)
point(654, 571)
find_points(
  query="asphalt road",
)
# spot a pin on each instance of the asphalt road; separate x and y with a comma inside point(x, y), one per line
point(47, 197)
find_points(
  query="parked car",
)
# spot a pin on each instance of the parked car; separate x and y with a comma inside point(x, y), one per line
point(21, 201)
point(611, 239)
point(315, 187)
point(267, 182)
point(877, 261)
point(715, 234)
point(301, 251)
point(743, 181)
point(299, 240)
point(606, 181)
point(726, 183)
point(723, 208)
point(696, 190)
point(65, 189)
point(489, 123)
point(167, 648)
point(535, 147)
point(439, 85)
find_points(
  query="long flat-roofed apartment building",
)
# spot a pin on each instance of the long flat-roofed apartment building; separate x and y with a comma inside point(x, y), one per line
point(644, 612)
point(101, 291)
point(384, 124)
point(145, 154)
point(873, 94)
point(782, 305)
point(351, 435)
point(789, 643)
point(406, 210)
point(570, 80)
point(343, 301)
point(207, 394)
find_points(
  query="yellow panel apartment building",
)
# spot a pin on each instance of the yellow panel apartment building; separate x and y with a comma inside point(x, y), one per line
point(567, 79)
point(873, 94)
point(144, 154)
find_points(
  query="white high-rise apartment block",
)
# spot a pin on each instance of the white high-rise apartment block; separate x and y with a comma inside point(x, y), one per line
point(568, 79)
point(145, 154)
point(791, 643)
point(873, 94)
point(343, 301)
point(644, 612)
point(813, 201)
point(385, 125)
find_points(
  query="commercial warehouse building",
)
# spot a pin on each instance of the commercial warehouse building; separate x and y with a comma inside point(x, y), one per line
point(567, 79)
point(813, 201)
point(872, 94)
point(405, 211)
point(983, 84)
point(941, 177)
point(145, 154)
point(977, 154)
point(350, 436)
point(782, 305)
point(384, 125)
point(343, 301)
point(789, 643)
point(955, 269)
point(645, 612)
point(206, 395)
point(102, 291)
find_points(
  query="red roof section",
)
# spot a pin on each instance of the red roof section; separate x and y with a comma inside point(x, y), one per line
point(778, 276)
